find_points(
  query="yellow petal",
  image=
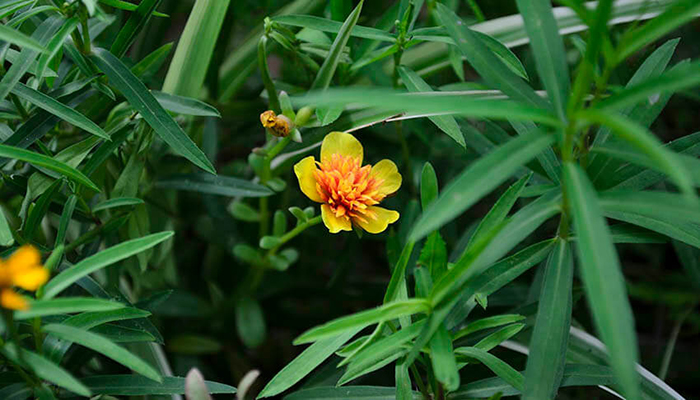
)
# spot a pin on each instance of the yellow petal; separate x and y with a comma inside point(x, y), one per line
point(333, 223)
point(31, 279)
point(387, 172)
point(24, 258)
point(12, 301)
point(304, 170)
point(378, 219)
point(340, 143)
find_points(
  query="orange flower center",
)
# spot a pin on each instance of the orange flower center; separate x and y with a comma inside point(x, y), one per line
point(348, 188)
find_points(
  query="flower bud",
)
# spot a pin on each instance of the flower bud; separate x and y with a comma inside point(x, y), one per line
point(304, 115)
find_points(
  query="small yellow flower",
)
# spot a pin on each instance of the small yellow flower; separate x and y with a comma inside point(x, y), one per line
point(348, 191)
point(23, 269)
point(279, 125)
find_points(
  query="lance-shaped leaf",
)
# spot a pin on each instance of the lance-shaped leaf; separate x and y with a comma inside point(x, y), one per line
point(143, 101)
point(603, 279)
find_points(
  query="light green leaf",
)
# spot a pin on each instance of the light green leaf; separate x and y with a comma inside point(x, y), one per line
point(185, 105)
point(603, 279)
point(195, 48)
point(330, 26)
point(309, 359)
point(479, 179)
point(446, 123)
point(492, 69)
point(362, 319)
point(143, 101)
point(123, 5)
point(45, 369)
point(647, 143)
point(66, 305)
point(13, 36)
point(41, 35)
point(103, 346)
point(498, 366)
point(117, 202)
point(677, 14)
point(442, 356)
point(346, 393)
point(487, 323)
point(102, 259)
point(48, 163)
point(545, 362)
point(548, 49)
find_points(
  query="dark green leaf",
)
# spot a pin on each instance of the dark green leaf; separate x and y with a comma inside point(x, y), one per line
point(219, 185)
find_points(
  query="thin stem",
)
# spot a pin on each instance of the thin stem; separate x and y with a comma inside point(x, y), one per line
point(294, 233)
point(264, 177)
point(86, 32)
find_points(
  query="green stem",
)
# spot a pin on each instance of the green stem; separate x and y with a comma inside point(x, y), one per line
point(294, 233)
point(86, 31)
point(264, 177)
point(476, 10)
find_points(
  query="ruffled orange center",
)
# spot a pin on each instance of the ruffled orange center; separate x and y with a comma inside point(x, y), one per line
point(348, 188)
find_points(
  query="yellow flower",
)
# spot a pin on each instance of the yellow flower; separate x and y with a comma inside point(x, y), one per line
point(23, 269)
point(349, 192)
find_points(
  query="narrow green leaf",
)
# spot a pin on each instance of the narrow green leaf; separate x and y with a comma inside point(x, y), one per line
point(327, 25)
point(55, 45)
point(189, 66)
point(403, 382)
point(647, 143)
point(39, 211)
point(438, 103)
point(103, 346)
point(548, 159)
point(134, 385)
point(479, 179)
point(362, 319)
point(548, 49)
point(398, 274)
point(66, 305)
point(102, 259)
point(219, 185)
point(545, 362)
point(677, 14)
point(123, 5)
point(59, 109)
point(134, 25)
point(498, 213)
point(498, 366)
point(303, 364)
point(487, 323)
point(685, 232)
point(48, 163)
point(325, 74)
point(45, 369)
point(603, 279)
point(492, 69)
point(185, 105)
point(442, 356)
point(143, 101)
point(683, 76)
point(117, 202)
point(657, 205)
point(446, 123)
point(13, 36)
point(6, 238)
point(41, 35)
